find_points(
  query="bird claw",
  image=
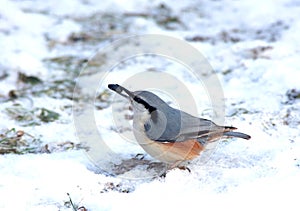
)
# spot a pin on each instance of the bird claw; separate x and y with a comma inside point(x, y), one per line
point(184, 168)
point(139, 156)
point(164, 174)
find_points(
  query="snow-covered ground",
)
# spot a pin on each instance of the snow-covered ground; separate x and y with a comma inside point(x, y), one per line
point(253, 46)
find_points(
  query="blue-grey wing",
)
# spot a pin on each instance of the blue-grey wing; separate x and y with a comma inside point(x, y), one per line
point(177, 126)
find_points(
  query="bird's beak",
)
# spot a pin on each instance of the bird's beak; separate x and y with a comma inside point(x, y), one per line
point(119, 89)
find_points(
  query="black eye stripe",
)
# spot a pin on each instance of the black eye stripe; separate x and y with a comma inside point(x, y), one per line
point(143, 102)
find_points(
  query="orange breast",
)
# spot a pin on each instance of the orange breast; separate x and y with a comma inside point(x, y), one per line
point(173, 152)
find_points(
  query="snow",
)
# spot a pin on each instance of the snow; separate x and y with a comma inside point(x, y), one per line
point(252, 45)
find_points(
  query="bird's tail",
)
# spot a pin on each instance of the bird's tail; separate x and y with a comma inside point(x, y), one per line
point(236, 134)
point(228, 131)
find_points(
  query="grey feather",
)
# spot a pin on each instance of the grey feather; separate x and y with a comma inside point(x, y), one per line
point(237, 134)
point(172, 125)
point(167, 124)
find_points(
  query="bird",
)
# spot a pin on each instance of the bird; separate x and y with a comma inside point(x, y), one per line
point(168, 134)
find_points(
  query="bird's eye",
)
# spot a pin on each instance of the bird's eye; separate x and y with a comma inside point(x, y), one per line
point(147, 126)
point(144, 103)
point(141, 101)
point(137, 99)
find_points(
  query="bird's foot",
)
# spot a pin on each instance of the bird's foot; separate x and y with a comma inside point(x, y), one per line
point(139, 156)
point(184, 168)
point(164, 174)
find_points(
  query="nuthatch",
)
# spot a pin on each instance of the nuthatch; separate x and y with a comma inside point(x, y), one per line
point(168, 134)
